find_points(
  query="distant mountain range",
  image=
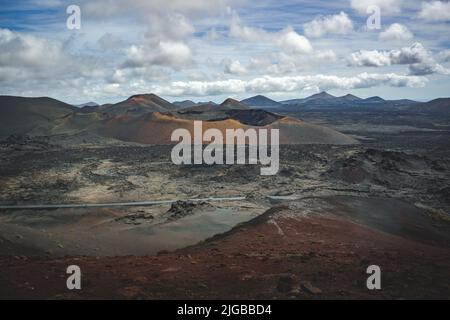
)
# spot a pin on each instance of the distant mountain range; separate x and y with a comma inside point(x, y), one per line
point(322, 100)
point(189, 103)
point(260, 101)
point(322, 97)
point(140, 104)
point(233, 104)
point(437, 106)
point(184, 103)
point(326, 100)
point(147, 119)
point(211, 111)
point(88, 104)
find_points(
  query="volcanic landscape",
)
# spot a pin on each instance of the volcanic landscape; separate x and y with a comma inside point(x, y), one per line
point(361, 182)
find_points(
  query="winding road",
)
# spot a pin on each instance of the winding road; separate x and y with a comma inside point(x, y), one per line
point(113, 204)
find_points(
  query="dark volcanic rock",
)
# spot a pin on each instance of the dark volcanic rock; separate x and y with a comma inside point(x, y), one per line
point(390, 167)
point(181, 209)
point(25, 142)
point(254, 117)
point(285, 284)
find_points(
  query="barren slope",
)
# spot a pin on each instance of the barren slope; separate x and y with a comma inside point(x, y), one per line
point(29, 115)
point(286, 253)
point(156, 128)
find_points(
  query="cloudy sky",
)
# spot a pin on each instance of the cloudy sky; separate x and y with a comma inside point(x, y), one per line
point(209, 50)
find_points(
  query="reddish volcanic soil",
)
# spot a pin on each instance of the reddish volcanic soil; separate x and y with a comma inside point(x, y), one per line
point(279, 255)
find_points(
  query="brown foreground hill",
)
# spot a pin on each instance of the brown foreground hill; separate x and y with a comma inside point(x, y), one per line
point(285, 253)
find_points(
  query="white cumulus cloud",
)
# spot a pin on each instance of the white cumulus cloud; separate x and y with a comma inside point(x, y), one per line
point(435, 11)
point(167, 53)
point(27, 51)
point(25, 56)
point(292, 42)
point(287, 39)
point(419, 59)
point(332, 24)
point(444, 56)
point(396, 32)
point(234, 67)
